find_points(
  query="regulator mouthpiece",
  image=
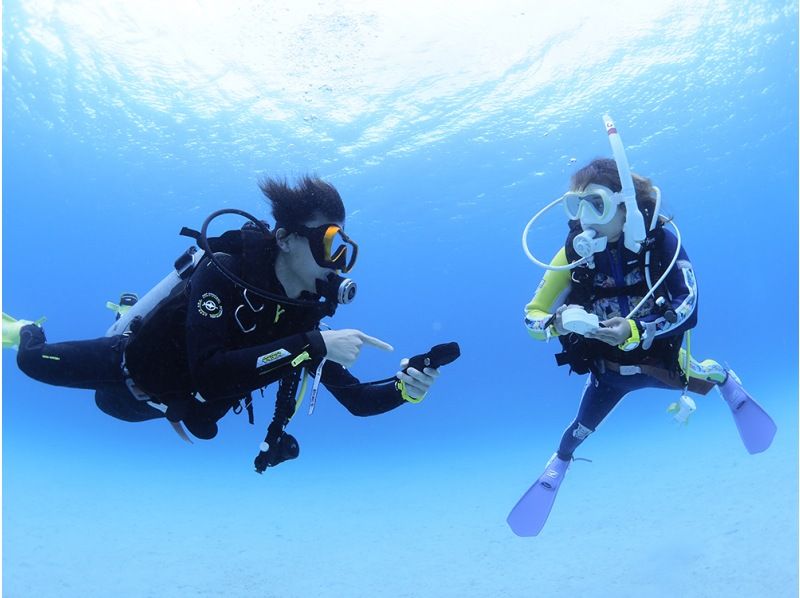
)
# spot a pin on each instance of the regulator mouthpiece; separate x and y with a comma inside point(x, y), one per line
point(347, 291)
point(337, 289)
point(588, 243)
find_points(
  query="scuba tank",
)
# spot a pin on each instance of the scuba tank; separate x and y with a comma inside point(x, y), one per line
point(184, 266)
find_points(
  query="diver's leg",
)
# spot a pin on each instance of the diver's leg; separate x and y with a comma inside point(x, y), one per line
point(599, 398)
point(87, 364)
point(92, 364)
point(529, 515)
point(118, 402)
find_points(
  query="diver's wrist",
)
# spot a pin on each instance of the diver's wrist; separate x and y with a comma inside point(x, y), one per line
point(634, 339)
point(317, 347)
point(553, 324)
point(401, 386)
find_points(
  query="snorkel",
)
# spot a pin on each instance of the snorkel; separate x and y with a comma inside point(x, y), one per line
point(633, 229)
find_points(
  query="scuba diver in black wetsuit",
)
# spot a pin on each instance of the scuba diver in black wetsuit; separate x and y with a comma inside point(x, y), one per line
point(232, 319)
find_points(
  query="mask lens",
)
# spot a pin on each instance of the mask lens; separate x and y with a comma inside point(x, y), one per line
point(596, 203)
point(572, 202)
point(334, 247)
point(346, 265)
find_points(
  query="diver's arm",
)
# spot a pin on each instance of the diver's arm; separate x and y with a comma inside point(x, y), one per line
point(551, 293)
point(219, 372)
point(681, 293)
point(360, 399)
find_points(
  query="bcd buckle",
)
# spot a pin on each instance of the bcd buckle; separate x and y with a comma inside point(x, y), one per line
point(629, 370)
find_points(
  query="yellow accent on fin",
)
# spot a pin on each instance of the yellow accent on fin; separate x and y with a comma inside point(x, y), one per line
point(11, 328)
point(119, 309)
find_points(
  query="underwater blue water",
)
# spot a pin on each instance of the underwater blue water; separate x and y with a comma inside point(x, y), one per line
point(444, 129)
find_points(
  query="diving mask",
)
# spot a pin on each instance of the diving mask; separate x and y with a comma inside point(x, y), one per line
point(329, 244)
point(596, 204)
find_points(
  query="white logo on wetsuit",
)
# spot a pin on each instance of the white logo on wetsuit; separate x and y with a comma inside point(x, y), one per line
point(209, 305)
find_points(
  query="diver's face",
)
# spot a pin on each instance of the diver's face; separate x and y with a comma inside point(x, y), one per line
point(299, 258)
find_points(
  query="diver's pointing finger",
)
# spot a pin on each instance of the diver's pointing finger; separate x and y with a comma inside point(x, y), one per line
point(375, 342)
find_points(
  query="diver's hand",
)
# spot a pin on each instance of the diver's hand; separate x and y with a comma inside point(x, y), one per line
point(557, 322)
point(614, 331)
point(417, 383)
point(344, 346)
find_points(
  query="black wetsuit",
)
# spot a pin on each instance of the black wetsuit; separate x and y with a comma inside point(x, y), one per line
point(202, 356)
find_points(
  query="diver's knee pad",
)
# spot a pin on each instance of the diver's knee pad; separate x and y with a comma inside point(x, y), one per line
point(580, 432)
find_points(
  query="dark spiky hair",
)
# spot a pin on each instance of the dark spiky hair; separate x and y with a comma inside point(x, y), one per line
point(296, 205)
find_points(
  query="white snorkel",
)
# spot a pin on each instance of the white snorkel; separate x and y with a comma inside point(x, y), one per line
point(633, 230)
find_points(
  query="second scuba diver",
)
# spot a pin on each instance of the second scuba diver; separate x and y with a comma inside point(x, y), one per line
point(620, 296)
point(241, 314)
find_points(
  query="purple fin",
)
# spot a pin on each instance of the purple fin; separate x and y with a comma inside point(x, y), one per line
point(529, 515)
point(756, 427)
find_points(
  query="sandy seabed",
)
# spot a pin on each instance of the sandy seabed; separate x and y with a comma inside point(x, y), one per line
point(693, 515)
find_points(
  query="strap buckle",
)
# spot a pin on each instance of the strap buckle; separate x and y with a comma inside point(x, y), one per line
point(629, 370)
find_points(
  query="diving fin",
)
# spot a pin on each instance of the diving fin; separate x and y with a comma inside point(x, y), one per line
point(529, 515)
point(756, 427)
point(11, 328)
